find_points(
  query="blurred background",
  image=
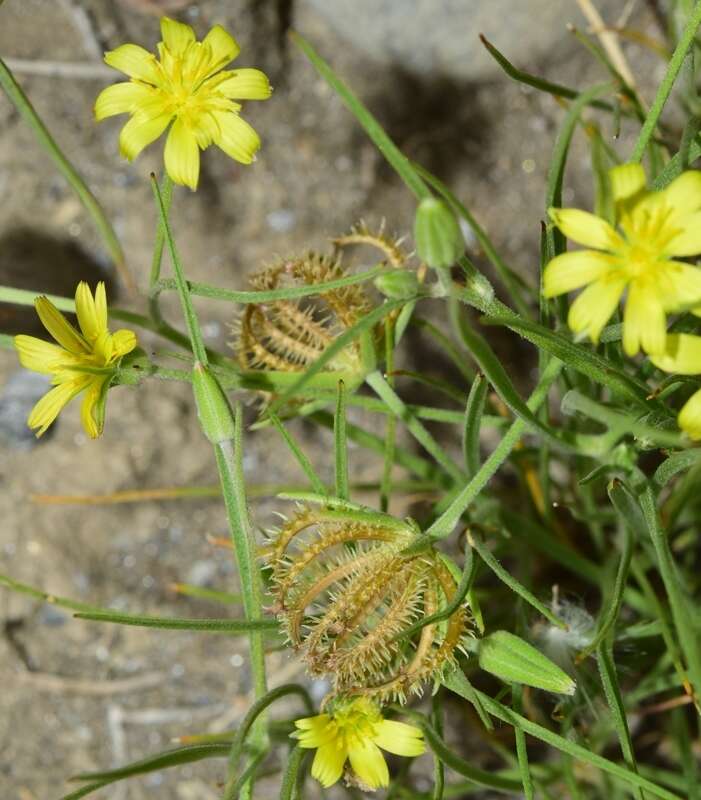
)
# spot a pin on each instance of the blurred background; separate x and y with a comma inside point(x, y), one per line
point(80, 696)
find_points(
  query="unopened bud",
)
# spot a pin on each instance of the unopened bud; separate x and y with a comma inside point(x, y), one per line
point(439, 240)
point(397, 284)
point(213, 410)
point(516, 661)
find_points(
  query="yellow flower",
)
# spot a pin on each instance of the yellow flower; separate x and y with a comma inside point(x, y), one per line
point(652, 229)
point(682, 356)
point(355, 730)
point(186, 85)
point(83, 361)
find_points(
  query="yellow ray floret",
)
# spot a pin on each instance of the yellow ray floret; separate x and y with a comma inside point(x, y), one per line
point(682, 356)
point(354, 731)
point(186, 85)
point(638, 254)
point(84, 360)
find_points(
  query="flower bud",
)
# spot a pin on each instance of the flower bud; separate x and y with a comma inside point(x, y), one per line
point(439, 240)
point(516, 661)
point(213, 410)
point(397, 284)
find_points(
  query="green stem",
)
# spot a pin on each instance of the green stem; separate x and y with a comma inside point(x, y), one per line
point(198, 349)
point(21, 102)
point(665, 88)
point(229, 454)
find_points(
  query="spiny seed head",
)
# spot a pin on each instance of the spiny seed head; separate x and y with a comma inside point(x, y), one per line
point(290, 335)
point(348, 594)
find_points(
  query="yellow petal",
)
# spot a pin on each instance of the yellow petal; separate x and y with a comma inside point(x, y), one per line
point(399, 738)
point(223, 47)
point(40, 356)
point(585, 228)
point(369, 764)
point(103, 348)
point(644, 321)
point(573, 270)
point(236, 137)
point(314, 731)
point(626, 181)
point(688, 241)
point(59, 327)
point(140, 131)
point(53, 402)
point(246, 84)
point(182, 155)
point(327, 766)
point(679, 285)
point(689, 418)
point(93, 421)
point(135, 62)
point(684, 193)
point(681, 356)
point(176, 35)
point(92, 323)
point(121, 98)
point(593, 307)
point(123, 341)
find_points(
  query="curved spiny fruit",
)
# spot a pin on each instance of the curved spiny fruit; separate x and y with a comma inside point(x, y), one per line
point(290, 335)
point(347, 593)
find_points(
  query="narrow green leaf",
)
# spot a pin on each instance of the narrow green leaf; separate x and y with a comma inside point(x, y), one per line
point(457, 682)
point(516, 586)
point(181, 624)
point(578, 358)
point(297, 452)
point(270, 295)
point(542, 85)
point(372, 127)
point(505, 714)
point(447, 521)
point(340, 445)
point(495, 373)
point(684, 612)
point(253, 713)
point(672, 466)
point(169, 758)
point(473, 424)
point(665, 88)
point(478, 776)
point(418, 431)
point(521, 749)
point(609, 681)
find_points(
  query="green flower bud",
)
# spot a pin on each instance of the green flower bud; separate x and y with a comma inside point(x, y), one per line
point(439, 240)
point(213, 410)
point(515, 661)
point(397, 284)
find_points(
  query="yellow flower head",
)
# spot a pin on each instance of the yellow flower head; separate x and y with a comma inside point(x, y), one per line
point(186, 85)
point(82, 361)
point(355, 730)
point(652, 229)
point(682, 356)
